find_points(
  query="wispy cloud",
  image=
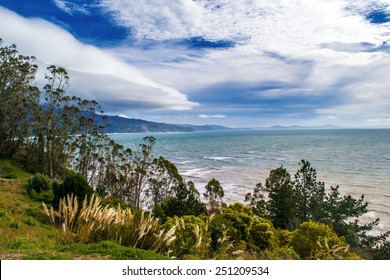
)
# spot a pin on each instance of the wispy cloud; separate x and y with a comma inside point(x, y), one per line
point(70, 7)
point(94, 72)
point(204, 116)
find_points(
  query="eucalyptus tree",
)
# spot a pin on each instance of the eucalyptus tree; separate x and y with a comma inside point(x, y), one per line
point(55, 123)
point(91, 133)
point(214, 196)
point(139, 173)
point(163, 182)
point(256, 200)
point(18, 97)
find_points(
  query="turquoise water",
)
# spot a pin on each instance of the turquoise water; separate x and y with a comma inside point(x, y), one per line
point(357, 160)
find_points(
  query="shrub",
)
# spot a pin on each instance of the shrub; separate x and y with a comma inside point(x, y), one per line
point(38, 183)
point(238, 219)
point(192, 236)
point(312, 240)
point(262, 233)
point(45, 196)
point(74, 183)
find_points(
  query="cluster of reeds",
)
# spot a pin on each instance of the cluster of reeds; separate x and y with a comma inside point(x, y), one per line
point(93, 223)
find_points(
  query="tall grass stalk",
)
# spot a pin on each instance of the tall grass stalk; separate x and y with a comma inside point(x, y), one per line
point(94, 223)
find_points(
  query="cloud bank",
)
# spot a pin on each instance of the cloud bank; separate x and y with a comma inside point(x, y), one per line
point(94, 73)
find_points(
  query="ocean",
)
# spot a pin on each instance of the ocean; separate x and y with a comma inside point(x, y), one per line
point(358, 160)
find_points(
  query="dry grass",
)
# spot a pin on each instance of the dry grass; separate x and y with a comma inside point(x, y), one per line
point(93, 223)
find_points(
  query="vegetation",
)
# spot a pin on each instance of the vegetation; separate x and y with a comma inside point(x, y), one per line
point(86, 196)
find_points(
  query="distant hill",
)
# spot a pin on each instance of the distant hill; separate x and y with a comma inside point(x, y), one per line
point(126, 125)
point(298, 127)
point(207, 127)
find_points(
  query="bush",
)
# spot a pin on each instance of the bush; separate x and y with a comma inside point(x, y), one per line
point(192, 236)
point(45, 196)
point(238, 219)
point(262, 233)
point(74, 183)
point(39, 183)
point(312, 240)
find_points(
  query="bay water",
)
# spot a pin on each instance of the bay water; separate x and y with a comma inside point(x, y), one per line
point(358, 160)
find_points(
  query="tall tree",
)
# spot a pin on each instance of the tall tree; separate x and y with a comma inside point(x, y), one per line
point(92, 123)
point(310, 193)
point(257, 201)
point(18, 97)
point(163, 182)
point(142, 162)
point(281, 204)
point(55, 122)
point(214, 195)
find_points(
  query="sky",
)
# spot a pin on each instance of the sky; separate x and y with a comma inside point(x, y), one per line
point(242, 63)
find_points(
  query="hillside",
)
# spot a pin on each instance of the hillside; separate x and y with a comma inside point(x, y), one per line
point(26, 233)
point(119, 124)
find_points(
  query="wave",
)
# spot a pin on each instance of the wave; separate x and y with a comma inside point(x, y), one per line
point(196, 173)
point(185, 162)
point(218, 158)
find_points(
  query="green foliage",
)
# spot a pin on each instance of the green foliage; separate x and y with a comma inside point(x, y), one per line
point(214, 195)
point(39, 183)
point(192, 236)
point(9, 176)
point(7, 243)
point(310, 193)
point(380, 251)
point(164, 181)
point(242, 227)
point(239, 219)
point(39, 186)
point(74, 183)
point(218, 233)
point(257, 201)
point(14, 224)
point(185, 203)
point(313, 240)
point(18, 96)
point(262, 233)
point(30, 221)
point(280, 253)
point(112, 251)
point(113, 202)
point(44, 196)
point(282, 199)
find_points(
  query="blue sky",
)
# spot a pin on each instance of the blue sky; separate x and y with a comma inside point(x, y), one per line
point(244, 63)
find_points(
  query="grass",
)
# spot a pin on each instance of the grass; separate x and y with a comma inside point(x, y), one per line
point(26, 232)
point(10, 169)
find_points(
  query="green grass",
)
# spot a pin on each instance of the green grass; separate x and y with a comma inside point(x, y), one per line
point(112, 251)
point(26, 232)
point(10, 169)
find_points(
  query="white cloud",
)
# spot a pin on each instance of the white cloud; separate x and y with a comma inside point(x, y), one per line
point(319, 47)
point(94, 73)
point(315, 31)
point(204, 116)
point(71, 7)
